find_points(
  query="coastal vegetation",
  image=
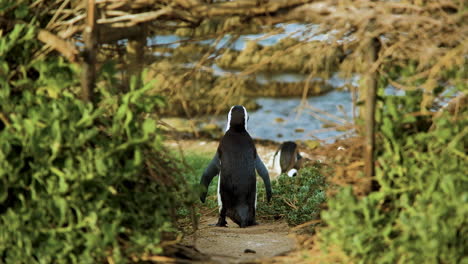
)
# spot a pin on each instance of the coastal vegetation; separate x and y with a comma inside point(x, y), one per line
point(86, 172)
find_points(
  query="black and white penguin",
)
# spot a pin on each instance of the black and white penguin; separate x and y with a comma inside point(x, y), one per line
point(290, 160)
point(236, 161)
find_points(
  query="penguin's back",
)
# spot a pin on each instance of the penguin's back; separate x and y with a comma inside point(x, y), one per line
point(237, 154)
point(238, 179)
point(288, 156)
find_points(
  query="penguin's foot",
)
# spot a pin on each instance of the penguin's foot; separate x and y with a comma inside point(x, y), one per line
point(220, 223)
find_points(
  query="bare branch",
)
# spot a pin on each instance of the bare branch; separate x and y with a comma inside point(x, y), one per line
point(67, 49)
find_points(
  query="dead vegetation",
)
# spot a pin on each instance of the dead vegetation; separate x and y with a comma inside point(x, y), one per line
point(431, 35)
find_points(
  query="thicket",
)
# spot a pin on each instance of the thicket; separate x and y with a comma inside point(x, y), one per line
point(419, 213)
point(296, 199)
point(79, 183)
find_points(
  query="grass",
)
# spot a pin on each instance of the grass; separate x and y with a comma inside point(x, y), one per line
point(196, 163)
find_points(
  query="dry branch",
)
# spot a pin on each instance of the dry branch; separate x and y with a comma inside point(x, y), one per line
point(370, 109)
point(67, 49)
point(410, 31)
point(432, 34)
point(88, 75)
point(241, 7)
point(133, 19)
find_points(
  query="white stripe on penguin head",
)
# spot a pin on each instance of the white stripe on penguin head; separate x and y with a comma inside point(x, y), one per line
point(246, 118)
point(229, 119)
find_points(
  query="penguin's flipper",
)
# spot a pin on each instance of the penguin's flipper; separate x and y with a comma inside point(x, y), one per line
point(274, 156)
point(298, 156)
point(210, 172)
point(263, 172)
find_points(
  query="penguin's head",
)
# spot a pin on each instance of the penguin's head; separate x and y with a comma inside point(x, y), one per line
point(237, 118)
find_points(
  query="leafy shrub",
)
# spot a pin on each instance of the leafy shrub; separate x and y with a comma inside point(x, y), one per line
point(195, 165)
point(419, 215)
point(296, 199)
point(78, 183)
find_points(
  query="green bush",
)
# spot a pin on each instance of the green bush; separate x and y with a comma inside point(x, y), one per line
point(420, 213)
point(195, 165)
point(78, 183)
point(295, 199)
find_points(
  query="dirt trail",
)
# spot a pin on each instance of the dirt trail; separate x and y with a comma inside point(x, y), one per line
point(229, 244)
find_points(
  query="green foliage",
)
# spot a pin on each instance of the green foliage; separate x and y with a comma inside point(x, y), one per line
point(15, 48)
point(419, 215)
point(196, 164)
point(78, 183)
point(296, 199)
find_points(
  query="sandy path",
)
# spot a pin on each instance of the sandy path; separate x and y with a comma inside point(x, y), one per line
point(228, 244)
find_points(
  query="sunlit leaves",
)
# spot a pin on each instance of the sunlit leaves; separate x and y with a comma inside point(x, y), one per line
point(21, 11)
point(82, 177)
point(418, 214)
point(74, 183)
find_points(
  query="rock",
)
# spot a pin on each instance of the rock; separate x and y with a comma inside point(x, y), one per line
point(210, 126)
point(328, 125)
point(247, 250)
point(312, 144)
point(251, 47)
point(179, 124)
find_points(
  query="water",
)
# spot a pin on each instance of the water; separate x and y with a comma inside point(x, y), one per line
point(282, 119)
point(263, 123)
point(298, 31)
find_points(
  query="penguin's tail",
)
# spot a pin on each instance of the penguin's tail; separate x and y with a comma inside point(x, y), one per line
point(244, 216)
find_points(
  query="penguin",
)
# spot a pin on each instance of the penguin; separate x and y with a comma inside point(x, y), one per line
point(236, 161)
point(290, 160)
